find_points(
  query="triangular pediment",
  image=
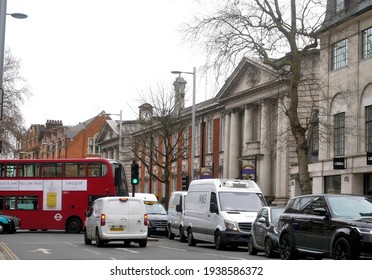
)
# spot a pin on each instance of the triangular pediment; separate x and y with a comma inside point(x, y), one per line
point(109, 131)
point(249, 75)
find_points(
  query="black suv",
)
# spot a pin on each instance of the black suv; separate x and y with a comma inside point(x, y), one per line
point(326, 225)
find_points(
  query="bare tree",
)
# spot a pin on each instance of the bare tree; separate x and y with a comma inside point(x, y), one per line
point(280, 33)
point(16, 92)
point(159, 145)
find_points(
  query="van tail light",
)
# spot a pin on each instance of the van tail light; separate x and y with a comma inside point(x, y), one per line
point(103, 219)
point(145, 220)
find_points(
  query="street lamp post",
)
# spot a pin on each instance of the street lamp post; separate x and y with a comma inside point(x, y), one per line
point(3, 15)
point(193, 73)
point(120, 129)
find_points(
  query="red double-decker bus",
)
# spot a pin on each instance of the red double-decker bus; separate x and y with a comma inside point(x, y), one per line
point(52, 194)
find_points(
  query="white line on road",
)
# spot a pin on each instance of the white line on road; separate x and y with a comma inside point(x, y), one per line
point(71, 244)
point(130, 251)
point(170, 248)
point(92, 252)
point(228, 257)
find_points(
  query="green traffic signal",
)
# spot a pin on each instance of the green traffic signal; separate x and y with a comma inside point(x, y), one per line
point(134, 181)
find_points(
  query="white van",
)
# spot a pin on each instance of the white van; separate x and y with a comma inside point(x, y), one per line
point(157, 215)
point(221, 211)
point(176, 211)
point(116, 219)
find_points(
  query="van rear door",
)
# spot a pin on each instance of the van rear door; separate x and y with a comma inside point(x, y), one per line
point(117, 216)
point(136, 216)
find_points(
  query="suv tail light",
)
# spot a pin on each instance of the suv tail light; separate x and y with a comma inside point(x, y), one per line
point(103, 219)
point(145, 220)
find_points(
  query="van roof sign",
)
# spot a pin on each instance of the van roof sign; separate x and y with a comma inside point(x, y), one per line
point(239, 184)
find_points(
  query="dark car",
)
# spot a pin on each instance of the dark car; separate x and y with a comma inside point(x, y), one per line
point(9, 223)
point(157, 218)
point(326, 225)
point(264, 232)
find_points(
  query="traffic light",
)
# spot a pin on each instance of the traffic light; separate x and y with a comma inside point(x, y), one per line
point(185, 183)
point(135, 173)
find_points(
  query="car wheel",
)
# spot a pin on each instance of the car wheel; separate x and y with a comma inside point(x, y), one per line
point(170, 234)
point(190, 238)
point(220, 245)
point(183, 237)
point(342, 250)
point(87, 241)
point(99, 242)
point(251, 249)
point(268, 248)
point(142, 243)
point(287, 250)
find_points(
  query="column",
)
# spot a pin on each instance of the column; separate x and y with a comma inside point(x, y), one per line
point(264, 170)
point(226, 148)
point(234, 170)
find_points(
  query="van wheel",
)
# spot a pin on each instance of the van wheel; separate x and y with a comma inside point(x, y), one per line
point(251, 249)
point(183, 237)
point(142, 243)
point(342, 250)
point(190, 238)
point(170, 234)
point(87, 241)
point(220, 245)
point(99, 242)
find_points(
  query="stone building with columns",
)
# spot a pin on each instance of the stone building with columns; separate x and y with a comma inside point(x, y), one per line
point(242, 132)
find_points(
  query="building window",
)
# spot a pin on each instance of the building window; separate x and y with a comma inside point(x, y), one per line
point(369, 128)
point(332, 184)
point(197, 139)
point(209, 137)
point(93, 148)
point(340, 5)
point(339, 54)
point(185, 144)
point(367, 43)
point(222, 134)
point(339, 136)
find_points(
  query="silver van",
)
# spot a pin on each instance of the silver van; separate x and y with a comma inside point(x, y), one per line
point(116, 219)
point(176, 210)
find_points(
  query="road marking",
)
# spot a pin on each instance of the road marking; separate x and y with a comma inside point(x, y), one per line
point(92, 252)
point(130, 251)
point(42, 250)
point(171, 248)
point(71, 244)
point(228, 257)
point(6, 253)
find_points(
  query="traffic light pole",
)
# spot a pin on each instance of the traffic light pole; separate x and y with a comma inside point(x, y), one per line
point(134, 176)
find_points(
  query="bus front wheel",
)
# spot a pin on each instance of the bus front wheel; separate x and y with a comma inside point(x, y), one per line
point(74, 225)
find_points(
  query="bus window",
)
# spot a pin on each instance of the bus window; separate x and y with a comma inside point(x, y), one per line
point(28, 170)
point(97, 169)
point(75, 169)
point(51, 169)
point(11, 170)
point(1, 203)
point(2, 170)
point(10, 202)
point(27, 202)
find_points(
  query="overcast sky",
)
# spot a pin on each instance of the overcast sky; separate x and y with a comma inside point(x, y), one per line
point(80, 57)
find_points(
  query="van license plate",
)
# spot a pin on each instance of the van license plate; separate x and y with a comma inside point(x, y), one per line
point(117, 229)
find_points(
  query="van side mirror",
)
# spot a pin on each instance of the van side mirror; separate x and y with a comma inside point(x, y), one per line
point(213, 208)
point(89, 212)
point(178, 208)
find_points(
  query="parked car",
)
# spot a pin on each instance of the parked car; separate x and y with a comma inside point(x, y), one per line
point(264, 232)
point(176, 210)
point(116, 219)
point(9, 223)
point(326, 225)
